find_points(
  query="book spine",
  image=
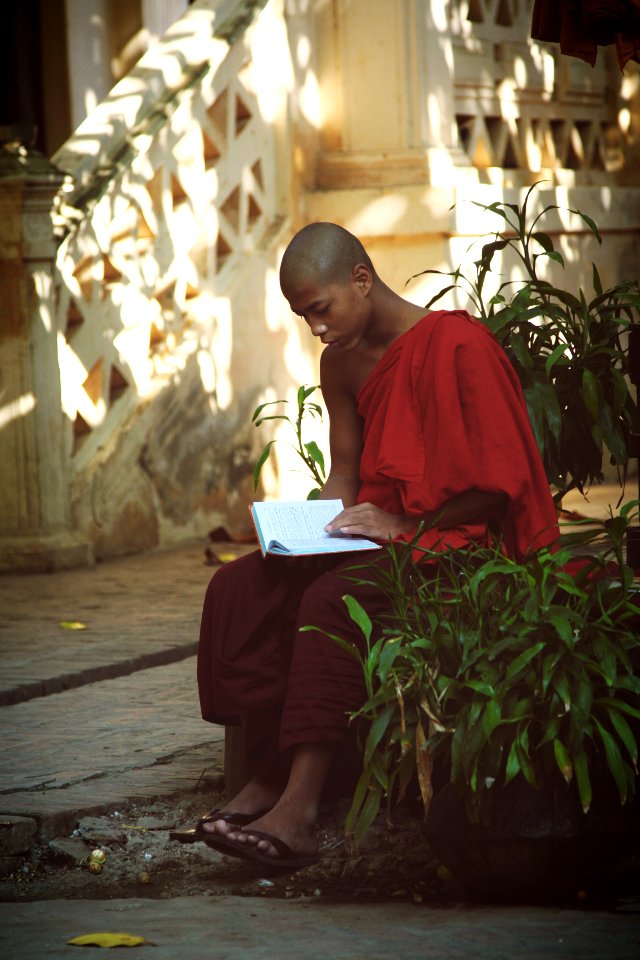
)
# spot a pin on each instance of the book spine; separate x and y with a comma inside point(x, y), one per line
point(261, 543)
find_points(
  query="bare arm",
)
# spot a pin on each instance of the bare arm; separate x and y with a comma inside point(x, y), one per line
point(345, 434)
point(367, 520)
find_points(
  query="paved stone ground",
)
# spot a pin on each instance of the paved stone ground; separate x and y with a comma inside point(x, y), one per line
point(227, 928)
point(139, 612)
point(121, 726)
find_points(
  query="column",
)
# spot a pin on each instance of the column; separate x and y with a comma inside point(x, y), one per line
point(35, 532)
point(435, 84)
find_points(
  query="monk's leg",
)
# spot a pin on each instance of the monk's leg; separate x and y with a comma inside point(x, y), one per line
point(294, 816)
point(247, 628)
point(325, 685)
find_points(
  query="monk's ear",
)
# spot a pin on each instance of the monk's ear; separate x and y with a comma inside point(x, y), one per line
point(362, 277)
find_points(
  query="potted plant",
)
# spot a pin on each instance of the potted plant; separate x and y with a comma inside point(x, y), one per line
point(510, 683)
point(569, 352)
point(517, 684)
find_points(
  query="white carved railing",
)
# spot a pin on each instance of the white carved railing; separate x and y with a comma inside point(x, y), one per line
point(173, 185)
point(520, 105)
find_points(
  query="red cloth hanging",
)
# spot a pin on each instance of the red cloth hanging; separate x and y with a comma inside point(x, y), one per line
point(581, 26)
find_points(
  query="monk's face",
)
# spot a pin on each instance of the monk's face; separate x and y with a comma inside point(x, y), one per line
point(337, 313)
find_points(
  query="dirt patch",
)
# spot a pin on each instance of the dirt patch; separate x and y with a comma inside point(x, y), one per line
point(140, 859)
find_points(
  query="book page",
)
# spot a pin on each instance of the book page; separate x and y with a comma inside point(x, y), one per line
point(295, 519)
point(297, 526)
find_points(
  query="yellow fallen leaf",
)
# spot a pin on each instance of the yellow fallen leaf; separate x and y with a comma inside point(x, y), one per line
point(108, 940)
point(72, 625)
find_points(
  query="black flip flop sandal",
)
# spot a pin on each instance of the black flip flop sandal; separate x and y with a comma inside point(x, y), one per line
point(287, 859)
point(198, 833)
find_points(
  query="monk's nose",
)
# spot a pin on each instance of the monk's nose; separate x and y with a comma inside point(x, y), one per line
point(318, 329)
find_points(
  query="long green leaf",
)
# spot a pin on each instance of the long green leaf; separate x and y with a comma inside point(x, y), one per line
point(621, 705)
point(625, 733)
point(376, 732)
point(614, 761)
point(258, 410)
point(345, 645)
point(581, 770)
point(590, 223)
point(558, 353)
point(590, 393)
point(359, 796)
point(491, 717)
point(525, 658)
point(359, 616)
point(563, 760)
point(316, 454)
point(369, 812)
point(513, 763)
point(260, 463)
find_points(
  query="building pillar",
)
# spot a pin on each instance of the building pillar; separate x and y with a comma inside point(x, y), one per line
point(386, 79)
point(35, 532)
point(435, 94)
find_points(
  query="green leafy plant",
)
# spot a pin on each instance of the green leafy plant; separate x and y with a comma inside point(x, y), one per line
point(308, 450)
point(568, 351)
point(497, 669)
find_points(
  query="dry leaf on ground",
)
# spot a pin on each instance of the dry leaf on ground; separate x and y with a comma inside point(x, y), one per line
point(72, 625)
point(108, 940)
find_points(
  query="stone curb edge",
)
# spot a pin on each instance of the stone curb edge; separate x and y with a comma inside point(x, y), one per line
point(121, 668)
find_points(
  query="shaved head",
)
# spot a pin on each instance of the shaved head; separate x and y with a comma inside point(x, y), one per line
point(322, 253)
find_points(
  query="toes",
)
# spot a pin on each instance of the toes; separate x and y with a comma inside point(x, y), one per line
point(238, 837)
point(221, 827)
point(268, 848)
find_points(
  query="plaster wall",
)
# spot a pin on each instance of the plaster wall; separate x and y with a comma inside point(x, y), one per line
point(181, 463)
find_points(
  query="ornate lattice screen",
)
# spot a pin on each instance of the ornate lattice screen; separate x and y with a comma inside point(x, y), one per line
point(138, 275)
point(521, 106)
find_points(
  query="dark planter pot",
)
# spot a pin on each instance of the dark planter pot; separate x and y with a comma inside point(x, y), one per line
point(534, 845)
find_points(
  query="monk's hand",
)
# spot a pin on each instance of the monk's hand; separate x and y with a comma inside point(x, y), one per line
point(367, 520)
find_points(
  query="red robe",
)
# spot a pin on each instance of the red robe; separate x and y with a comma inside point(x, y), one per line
point(442, 413)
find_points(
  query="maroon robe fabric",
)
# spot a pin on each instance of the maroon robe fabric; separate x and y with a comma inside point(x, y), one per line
point(581, 26)
point(443, 413)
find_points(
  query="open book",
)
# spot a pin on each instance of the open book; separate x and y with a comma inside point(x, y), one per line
point(295, 528)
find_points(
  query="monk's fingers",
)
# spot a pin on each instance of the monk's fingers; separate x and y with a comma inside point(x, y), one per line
point(365, 530)
point(336, 524)
point(350, 516)
point(365, 516)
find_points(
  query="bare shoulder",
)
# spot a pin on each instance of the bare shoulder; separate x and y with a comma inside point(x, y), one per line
point(334, 368)
point(343, 373)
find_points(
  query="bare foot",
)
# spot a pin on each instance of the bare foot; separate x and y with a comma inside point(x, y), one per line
point(285, 821)
point(259, 794)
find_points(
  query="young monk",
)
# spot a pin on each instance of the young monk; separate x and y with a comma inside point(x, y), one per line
point(427, 425)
